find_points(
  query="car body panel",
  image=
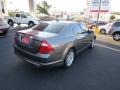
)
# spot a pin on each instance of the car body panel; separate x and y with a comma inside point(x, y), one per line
point(114, 28)
point(61, 42)
point(4, 27)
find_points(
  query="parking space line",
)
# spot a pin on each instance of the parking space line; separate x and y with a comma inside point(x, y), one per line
point(110, 48)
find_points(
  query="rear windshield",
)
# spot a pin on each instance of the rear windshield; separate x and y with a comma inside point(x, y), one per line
point(54, 28)
point(40, 27)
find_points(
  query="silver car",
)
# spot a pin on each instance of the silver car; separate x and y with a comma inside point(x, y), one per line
point(4, 27)
point(54, 43)
point(115, 30)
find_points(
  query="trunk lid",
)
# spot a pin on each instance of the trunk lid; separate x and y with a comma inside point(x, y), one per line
point(30, 40)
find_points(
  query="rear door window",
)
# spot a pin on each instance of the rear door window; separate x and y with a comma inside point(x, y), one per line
point(55, 28)
point(76, 28)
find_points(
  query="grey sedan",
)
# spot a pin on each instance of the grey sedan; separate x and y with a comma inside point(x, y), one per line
point(56, 43)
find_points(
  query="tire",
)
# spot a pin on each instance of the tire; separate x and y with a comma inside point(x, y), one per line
point(31, 24)
point(103, 31)
point(116, 36)
point(92, 44)
point(69, 58)
point(10, 22)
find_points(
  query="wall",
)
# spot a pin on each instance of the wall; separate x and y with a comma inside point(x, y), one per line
point(3, 8)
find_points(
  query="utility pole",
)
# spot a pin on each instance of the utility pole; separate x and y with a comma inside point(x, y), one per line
point(100, 1)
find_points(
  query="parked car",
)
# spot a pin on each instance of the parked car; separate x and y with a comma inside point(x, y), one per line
point(115, 30)
point(104, 29)
point(56, 44)
point(22, 18)
point(4, 27)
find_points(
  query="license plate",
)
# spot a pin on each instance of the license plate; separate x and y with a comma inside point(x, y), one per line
point(25, 40)
point(1, 31)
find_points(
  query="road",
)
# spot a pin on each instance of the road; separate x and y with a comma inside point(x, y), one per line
point(96, 69)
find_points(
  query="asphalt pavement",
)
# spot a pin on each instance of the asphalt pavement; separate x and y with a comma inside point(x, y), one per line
point(94, 69)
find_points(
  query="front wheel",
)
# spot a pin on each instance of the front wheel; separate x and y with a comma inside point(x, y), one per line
point(92, 44)
point(116, 36)
point(69, 58)
point(103, 31)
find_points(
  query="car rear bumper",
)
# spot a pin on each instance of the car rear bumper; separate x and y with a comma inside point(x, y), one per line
point(32, 59)
point(4, 30)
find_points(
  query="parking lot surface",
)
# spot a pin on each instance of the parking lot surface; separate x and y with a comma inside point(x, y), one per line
point(96, 69)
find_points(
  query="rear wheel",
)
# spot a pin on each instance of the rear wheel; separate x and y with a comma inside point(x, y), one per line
point(103, 31)
point(10, 22)
point(69, 58)
point(116, 36)
point(31, 24)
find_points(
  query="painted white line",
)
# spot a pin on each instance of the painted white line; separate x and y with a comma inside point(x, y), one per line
point(110, 48)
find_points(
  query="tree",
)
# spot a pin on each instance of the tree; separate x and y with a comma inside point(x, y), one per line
point(43, 7)
point(112, 17)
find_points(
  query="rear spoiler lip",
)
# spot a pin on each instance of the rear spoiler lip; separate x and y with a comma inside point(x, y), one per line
point(30, 34)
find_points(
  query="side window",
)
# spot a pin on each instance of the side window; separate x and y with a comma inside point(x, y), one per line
point(23, 16)
point(117, 24)
point(17, 15)
point(76, 28)
point(83, 27)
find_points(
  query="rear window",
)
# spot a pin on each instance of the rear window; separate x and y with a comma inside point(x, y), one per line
point(117, 24)
point(40, 27)
point(55, 28)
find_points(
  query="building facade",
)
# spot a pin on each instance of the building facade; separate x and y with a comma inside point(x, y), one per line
point(3, 8)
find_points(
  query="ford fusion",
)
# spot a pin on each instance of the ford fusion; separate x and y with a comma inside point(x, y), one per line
point(53, 44)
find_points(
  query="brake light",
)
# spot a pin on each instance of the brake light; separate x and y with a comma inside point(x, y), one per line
point(45, 47)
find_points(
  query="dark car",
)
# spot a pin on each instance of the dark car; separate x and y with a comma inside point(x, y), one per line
point(115, 30)
point(57, 44)
point(4, 27)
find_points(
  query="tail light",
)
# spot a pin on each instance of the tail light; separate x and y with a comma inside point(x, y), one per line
point(45, 47)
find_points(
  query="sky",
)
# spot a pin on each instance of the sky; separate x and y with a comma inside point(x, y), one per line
point(63, 5)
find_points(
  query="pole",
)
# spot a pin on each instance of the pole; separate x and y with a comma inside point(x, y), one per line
point(100, 1)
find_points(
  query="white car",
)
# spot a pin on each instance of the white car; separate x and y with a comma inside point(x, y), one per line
point(22, 18)
point(105, 28)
